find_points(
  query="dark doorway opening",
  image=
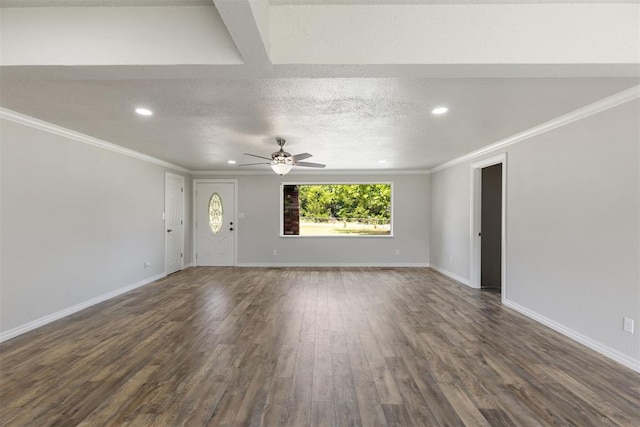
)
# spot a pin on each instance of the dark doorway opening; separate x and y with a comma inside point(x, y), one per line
point(491, 226)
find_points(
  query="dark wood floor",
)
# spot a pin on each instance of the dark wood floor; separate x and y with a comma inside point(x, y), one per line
point(371, 347)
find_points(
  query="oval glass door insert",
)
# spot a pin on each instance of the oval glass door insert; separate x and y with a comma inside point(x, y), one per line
point(215, 213)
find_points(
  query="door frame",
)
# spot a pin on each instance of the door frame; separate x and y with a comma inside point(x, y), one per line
point(164, 221)
point(235, 214)
point(476, 224)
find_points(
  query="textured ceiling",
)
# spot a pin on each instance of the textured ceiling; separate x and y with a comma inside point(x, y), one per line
point(345, 123)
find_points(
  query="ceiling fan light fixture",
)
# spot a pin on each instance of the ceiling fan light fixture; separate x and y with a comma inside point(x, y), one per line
point(282, 162)
point(281, 168)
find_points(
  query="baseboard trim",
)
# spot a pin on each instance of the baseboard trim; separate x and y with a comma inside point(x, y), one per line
point(12, 333)
point(451, 275)
point(332, 264)
point(612, 354)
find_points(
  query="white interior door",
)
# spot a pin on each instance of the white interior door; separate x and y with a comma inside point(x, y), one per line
point(174, 222)
point(215, 223)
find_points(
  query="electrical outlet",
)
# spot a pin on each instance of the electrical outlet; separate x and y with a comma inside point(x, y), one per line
point(450, 260)
point(275, 252)
point(397, 251)
point(147, 264)
point(628, 324)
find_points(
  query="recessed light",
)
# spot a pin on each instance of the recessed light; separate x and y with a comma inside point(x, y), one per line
point(382, 161)
point(231, 162)
point(439, 110)
point(144, 111)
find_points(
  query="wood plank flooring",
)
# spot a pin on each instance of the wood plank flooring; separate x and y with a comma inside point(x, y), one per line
point(308, 347)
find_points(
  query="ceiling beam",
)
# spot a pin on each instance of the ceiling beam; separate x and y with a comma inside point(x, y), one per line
point(248, 24)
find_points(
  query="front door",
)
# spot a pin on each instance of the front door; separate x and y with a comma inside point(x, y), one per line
point(215, 223)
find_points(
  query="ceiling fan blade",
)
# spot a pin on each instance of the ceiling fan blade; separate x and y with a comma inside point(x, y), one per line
point(260, 157)
point(301, 156)
point(310, 165)
point(251, 164)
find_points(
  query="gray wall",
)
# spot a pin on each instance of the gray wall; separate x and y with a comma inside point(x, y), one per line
point(77, 222)
point(573, 225)
point(258, 232)
point(450, 216)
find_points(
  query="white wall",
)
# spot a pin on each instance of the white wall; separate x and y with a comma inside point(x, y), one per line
point(573, 228)
point(115, 35)
point(258, 232)
point(78, 222)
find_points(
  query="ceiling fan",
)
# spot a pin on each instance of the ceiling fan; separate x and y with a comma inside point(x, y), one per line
point(281, 162)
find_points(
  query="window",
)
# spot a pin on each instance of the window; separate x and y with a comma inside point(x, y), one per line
point(336, 209)
point(215, 213)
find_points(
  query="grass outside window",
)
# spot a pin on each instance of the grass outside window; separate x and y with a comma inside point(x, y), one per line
point(337, 209)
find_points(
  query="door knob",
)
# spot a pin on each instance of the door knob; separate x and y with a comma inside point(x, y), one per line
point(169, 231)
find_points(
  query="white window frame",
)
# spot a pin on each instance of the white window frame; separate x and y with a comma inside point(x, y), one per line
point(342, 236)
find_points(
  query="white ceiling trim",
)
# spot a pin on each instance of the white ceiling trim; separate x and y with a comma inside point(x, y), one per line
point(579, 114)
point(32, 122)
point(315, 172)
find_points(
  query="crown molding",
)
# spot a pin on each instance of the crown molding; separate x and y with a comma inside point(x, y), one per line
point(316, 172)
point(80, 137)
point(229, 172)
point(579, 114)
point(32, 122)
